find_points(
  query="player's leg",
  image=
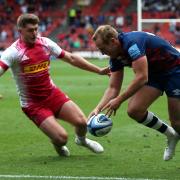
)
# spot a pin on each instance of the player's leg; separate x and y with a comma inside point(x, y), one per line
point(174, 113)
point(137, 109)
point(174, 116)
point(71, 113)
point(172, 89)
point(139, 103)
point(57, 134)
point(44, 119)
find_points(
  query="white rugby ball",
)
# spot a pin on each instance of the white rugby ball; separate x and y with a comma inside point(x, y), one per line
point(99, 125)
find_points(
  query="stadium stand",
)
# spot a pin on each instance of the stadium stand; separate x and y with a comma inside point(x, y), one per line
point(71, 22)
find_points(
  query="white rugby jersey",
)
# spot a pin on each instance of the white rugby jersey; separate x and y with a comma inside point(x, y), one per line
point(30, 68)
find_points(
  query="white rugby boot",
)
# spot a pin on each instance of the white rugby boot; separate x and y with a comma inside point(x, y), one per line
point(62, 151)
point(90, 144)
point(171, 145)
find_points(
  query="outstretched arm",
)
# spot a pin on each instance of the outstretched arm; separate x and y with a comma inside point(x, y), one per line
point(140, 68)
point(82, 63)
point(111, 92)
point(4, 61)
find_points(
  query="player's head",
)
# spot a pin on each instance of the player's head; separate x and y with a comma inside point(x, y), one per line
point(27, 25)
point(106, 40)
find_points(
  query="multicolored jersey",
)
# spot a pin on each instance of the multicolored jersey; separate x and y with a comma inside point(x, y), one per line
point(161, 55)
point(30, 68)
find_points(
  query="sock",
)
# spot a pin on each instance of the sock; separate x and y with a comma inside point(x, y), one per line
point(81, 138)
point(151, 121)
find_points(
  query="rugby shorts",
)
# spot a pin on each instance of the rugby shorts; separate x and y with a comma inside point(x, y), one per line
point(39, 111)
point(168, 82)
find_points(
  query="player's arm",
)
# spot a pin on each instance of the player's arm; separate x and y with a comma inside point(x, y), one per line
point(3, 68)
point(111, 92)
point(74, 60)
point(140, 68)
point(6, 59)
point(82, 63)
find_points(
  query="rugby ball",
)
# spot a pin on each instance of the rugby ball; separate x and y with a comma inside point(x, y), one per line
point(99, 125)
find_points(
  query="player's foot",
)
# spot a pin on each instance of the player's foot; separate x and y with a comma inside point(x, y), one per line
point(90, 144)
point(171, 146)
point(62, 151)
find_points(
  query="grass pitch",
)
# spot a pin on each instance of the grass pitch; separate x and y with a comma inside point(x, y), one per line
point(131, 150)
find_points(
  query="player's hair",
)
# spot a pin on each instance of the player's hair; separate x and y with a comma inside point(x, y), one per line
point(105, 33)
point(25, 19)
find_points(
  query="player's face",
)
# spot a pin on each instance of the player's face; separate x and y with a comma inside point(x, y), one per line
point(29, 33)
point(111, 49)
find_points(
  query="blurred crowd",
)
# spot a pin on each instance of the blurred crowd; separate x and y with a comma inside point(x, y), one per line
point(82, 23)
point(11, 9)
point(161, 5)
point(77, 20)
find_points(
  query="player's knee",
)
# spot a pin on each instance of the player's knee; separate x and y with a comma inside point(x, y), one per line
point(133, 113)
point(60, 139)
point(81, 122)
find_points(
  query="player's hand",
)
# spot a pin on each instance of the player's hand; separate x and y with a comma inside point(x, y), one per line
point(94, 112)
point(104, 71)
point(111, 107)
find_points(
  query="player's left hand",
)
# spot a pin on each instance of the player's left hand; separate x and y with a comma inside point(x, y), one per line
point(94, 112)
point(104, 71)
point(111, 107)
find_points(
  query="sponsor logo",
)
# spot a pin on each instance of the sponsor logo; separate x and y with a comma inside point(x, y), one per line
point(134, 51)
point(36, 67)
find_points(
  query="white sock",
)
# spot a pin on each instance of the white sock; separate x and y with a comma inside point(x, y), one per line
point(152, 121)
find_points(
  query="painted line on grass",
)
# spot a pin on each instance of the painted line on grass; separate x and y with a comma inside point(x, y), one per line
point(71, 177)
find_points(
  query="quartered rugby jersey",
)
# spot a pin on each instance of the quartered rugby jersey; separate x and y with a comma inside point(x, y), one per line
point(161, 55)
point(30, 68)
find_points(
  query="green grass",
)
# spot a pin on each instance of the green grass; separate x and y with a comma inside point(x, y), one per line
point(131, 150)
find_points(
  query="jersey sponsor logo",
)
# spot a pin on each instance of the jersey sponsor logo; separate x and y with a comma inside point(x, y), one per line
point(36, 67)
point(134, 51)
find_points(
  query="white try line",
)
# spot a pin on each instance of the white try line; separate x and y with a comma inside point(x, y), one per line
point(70, 177)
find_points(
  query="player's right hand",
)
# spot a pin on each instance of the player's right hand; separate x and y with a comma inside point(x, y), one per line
point(104, 71)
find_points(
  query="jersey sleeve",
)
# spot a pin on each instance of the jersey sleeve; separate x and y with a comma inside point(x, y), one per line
point(55, 49)
point(7, 57)
point(135, 52)
point(136, 48)
point(115, 65)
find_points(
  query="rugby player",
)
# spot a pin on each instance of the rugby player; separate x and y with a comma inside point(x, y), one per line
point(41, 100)
point(156, 66)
